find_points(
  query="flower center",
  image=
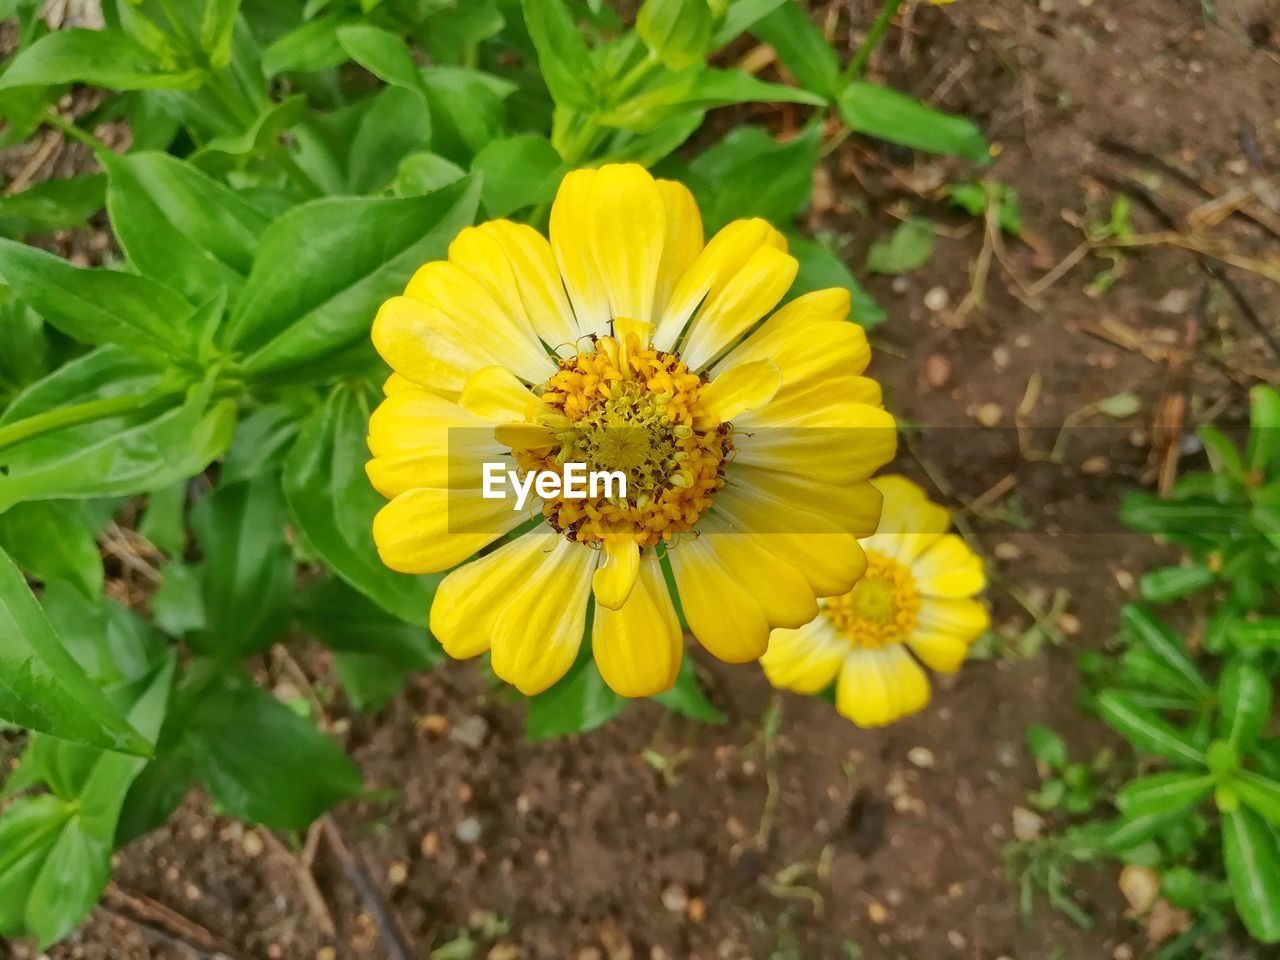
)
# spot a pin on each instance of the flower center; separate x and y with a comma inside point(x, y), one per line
point(630, 409)
point(881, 608)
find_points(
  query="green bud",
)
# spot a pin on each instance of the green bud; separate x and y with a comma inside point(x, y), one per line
point(677, 32)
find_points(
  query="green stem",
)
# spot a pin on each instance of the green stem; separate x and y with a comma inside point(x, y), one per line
point(872, 40)
point(75, 414)
point(56, 120)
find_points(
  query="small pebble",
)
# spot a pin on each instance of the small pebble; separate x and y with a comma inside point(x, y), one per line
point(503, 951)
point(470, 732)
point(922, 757)
point(192, 892)
point(397, 874)
point(675, 898)
point(937, 299)
point(468, 831)
point(1124, 579)
point(1140, 886)
point(435, 724)
point(877, 912)
point(275, 951)
point(937, 371)
point(326, 953)
point(1000, 357)
point(1069, 624)
point(956, 939)
point(697, 910)
point(430, 845)
point(1027, 824)
point(1095, 465)
point(251, 843)
point(990, 414)
point(1007, 551)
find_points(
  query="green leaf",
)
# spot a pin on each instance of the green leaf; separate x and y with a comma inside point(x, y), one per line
point(1047, 747)
point(1163, 793)
point(1259, 793)
point(263, 763)
point(310, 47)
point(1161, 641)
point(221, 153)
point(1125, 833)
point(686, 697)
point(1252, 859)
point(217, 26)
point(907, 248)
point(180, 226)
point(382, 53)
point(323, 268)
point(1182, 887)
point(248, 568)
point(880, 112)
point(41, 687)
point(1264, 436)
point(563, 58)
point(262, 441)
point(123, 456)
point(1244, 702)
point(332, 506)
point(749, 174)
point(396, 125)
point(98, 306)
point(103, 58)
point(422, 173)
point(164, 522)
point(582, 701)
point(701, 89)
point(178, 603)
point(1146, 730)
point(821, 268)
point(452, 32)
point(677, 32)
point(1260, 634)
point(53, 205)
point(741, 16)
point(802, 48)
point(1173, 583)
point(467, 110)
point(518, 172)
point(112, 643)
point(53, 542)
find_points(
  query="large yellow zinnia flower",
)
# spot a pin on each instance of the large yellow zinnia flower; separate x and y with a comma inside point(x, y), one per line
point(917, 596)
point(617, 344)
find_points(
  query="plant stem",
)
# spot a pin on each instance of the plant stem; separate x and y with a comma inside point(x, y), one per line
point(75, 414)
point(872, 40)
point(68, 128)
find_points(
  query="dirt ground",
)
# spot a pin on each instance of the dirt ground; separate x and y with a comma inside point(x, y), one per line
point(657, 838)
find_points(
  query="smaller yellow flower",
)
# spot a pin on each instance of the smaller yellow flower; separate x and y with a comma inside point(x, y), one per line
point(917, 597)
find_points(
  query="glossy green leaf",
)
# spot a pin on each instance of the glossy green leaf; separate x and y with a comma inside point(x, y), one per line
point(1125, 833)
point(907, 248)
point(1146, 730)
point(396, 125)
point(103, 58)
point(41, 687)
point(312, 46)
point(1244, 702)
point(179, 226)
point(53, 542)
point(802, 48)
point(880, 112)
point(451, 33)
point(223, 152)
point(163, 522)
point(1163, 793)
point(263, 763)
point(98, 306)
point(323, 268)
point(1173, 583)
point(263, 439)
point(178, 603)
point(741, 16)
point(563, 57)
point(1252, 858)
point(1153, 634)
point(112, 643)
point(248, 568)
point(518, 172)
point(53, 205)
point(749, 174)
point(382, 53)
point(467, 110)
point(1047, 747)
point(1260, 793)
point(422, 173)
point(333, 505)
point(820, 268)
point(582, 701)
point(1264, 435)
point(1260, 634)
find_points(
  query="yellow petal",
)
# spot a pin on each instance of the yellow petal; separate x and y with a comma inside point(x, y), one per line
point(496, 395)
point(515, 264)
point(778, 502)
point(537, 633)
point(571, 229)
point(616, 576)
point(732, 310)
point(683, 241)
point(397, 384)
point(628, 229)
point(747, 386)
point(806, 659)
point(717, 265)
point(638, 648)
point(428, 530)
point(423, 346)
point(943, 652)
point(838, 443)
point(525, 436)
point(470, 598)
point(948, 568)
point(877, 687)
point(475, 315)
point(792, 324)
point(420, 439)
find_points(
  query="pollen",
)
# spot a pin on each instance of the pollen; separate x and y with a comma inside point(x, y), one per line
point(882, 607)
point(629, 408)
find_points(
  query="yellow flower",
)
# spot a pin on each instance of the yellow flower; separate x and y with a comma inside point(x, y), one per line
point(915, 598)
point(624, 343)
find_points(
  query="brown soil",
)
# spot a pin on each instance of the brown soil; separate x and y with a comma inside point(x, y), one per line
point(842, 843)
